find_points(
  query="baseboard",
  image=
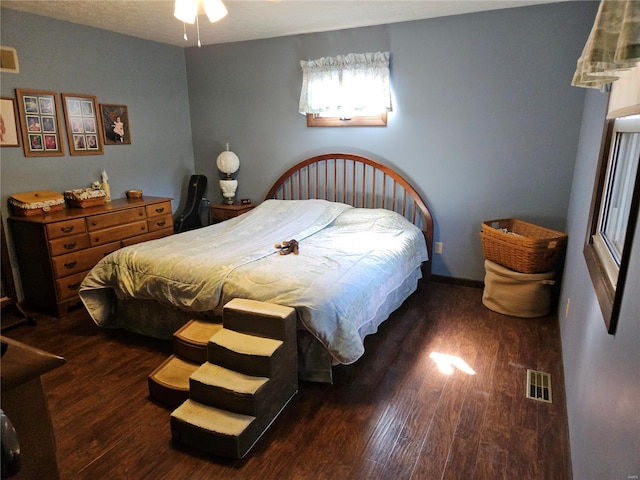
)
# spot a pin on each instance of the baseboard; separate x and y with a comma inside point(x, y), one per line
point(461, 282)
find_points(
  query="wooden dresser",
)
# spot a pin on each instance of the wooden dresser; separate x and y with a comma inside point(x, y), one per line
point(55, 251)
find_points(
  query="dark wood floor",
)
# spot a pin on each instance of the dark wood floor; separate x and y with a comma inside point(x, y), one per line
point(391, 415)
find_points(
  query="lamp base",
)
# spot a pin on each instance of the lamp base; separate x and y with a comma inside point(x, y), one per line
point(228, 188)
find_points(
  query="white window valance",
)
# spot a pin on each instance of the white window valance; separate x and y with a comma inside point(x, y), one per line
point(613, 44)
point(346, 85)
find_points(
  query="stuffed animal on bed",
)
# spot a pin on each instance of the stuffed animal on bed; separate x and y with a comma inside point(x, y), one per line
point(288, 247)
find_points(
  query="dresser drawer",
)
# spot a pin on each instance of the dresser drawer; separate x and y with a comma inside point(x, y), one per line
point(68, 244)
point(148, 236)
point(69, 286)
point(63, 229)
point(98, 222)
point(71, 263)
point(163, 208)
point(120, 232)
point(160, 222)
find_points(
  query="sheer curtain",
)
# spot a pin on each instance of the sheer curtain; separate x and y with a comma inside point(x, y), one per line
point(346, 85)
point(613, 44)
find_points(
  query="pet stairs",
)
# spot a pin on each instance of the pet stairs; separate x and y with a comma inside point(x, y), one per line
point(249, 377)
point(169, 382)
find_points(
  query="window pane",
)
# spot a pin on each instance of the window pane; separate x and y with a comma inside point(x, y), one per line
point(621, 176)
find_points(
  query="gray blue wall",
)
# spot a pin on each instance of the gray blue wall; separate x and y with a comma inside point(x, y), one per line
point(148, 77)
point(485, 122)
point(602, 372)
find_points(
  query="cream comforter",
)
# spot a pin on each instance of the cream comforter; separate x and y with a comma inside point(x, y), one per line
point(350, 260)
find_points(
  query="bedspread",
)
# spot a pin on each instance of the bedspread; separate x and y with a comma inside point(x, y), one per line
point(349, 261)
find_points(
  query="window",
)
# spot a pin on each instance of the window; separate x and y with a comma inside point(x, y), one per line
point(346, 90)
point(614, 214)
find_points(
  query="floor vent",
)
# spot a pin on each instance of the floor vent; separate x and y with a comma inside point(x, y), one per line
point(539, 386)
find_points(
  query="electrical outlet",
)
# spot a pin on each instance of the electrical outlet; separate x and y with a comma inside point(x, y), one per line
point(438, 246)
point(566, 310)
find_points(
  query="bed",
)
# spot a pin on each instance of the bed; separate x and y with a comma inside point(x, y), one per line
point(365, 240)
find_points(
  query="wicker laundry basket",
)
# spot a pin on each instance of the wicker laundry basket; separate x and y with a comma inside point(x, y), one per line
point(521, 246)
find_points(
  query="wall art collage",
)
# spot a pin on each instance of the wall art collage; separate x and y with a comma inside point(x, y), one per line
point(36, 121)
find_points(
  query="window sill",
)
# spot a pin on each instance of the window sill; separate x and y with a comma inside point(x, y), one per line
point(604, 290)
point(314, 120)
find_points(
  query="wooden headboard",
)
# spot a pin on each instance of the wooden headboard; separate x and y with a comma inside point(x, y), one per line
point(356, 181)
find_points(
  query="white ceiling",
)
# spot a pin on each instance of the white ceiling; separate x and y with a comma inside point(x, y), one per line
point(249, 20)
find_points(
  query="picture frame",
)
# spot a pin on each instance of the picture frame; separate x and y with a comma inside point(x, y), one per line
point(39, 115)
point(83, 124)
point(9, 123)
point(115, 124)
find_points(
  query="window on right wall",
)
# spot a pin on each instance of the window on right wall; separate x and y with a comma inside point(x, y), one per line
point(614, 212)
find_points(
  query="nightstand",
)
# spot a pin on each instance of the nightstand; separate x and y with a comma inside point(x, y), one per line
point(222, 211)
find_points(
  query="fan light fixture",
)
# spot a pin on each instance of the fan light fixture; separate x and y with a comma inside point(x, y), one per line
point(187, 12)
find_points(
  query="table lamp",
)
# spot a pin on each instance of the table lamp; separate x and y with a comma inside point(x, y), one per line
point(228, 163)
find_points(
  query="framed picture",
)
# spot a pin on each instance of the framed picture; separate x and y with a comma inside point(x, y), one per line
point(83, 124)
point(9, 127)
point(39, 113)
point(115, 123)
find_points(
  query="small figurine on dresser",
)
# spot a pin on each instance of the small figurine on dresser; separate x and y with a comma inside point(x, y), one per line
point(105, 185)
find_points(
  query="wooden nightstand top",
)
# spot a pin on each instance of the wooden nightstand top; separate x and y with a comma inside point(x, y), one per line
point(234, 207)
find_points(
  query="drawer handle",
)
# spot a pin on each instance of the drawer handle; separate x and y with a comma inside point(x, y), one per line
point(71, 245)
point(67, 229)
point(161, 224)
point(94, 223)
point(70, 264)
point(74, 286)
point(159, 209)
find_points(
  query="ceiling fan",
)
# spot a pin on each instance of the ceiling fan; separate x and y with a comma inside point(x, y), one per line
point(187, 12)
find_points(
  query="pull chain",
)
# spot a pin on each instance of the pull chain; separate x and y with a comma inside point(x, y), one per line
point(198, 29)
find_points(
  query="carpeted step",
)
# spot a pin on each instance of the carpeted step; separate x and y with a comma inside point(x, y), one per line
point(190, 341)
point(169, 383)
point(214, 430)
point(260, 318)
point(230, 390)
point(217, 431)
point(247, 354)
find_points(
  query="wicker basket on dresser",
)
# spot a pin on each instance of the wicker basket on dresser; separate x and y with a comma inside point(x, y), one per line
point(55, 251)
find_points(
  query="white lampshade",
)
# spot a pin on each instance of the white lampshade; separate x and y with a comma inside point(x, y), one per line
point(228, 162)
point(186, 10)
point(214, 9)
